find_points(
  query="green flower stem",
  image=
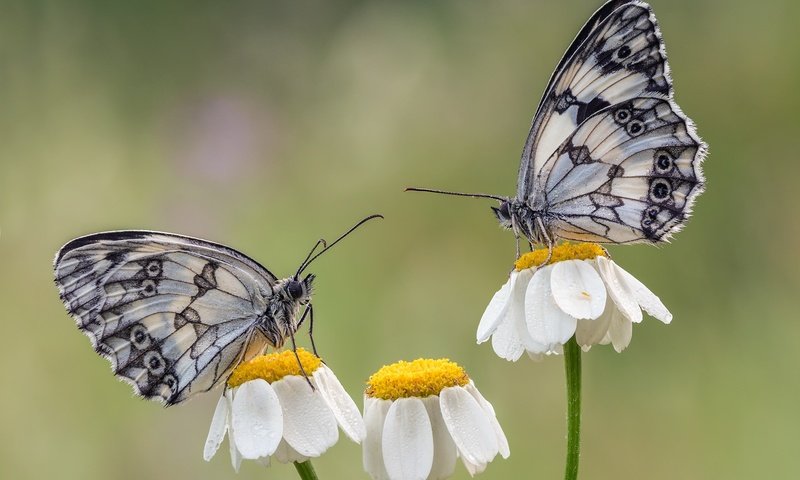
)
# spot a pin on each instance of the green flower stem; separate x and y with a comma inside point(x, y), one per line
point(306, 470)
point(572, 366)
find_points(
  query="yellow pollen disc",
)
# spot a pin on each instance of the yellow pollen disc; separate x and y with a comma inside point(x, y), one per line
point(274, 366)
point(565, 251)
point(420, 378)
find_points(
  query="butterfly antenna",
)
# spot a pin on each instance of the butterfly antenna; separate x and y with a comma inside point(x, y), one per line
point(328, 247)
point(322, 242)
point(457, 194)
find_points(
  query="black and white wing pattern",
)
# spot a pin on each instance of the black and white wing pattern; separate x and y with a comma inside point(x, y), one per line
point(626, 175)
point(616, 64)
point(172, 314)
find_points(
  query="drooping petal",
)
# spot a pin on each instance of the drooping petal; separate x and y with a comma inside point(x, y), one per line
point(644, 297)
point(343, 407)
point(516, 312)
point(469, 425)
point(506, 342)
point(618, 291)
point(218, 428)
point(495, 311)
point(375, 410)
point(502, 442)
point(577, 289)
point(236, 457)
point(547, 323)
point(285, 454)
point(474, 468)
point(591, 332)
point(309, 425)
point(620, 331)
point(444, 449)
point(257, 419)
point(407, 440)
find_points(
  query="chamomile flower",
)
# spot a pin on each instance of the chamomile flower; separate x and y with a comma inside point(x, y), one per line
point(421, 416)
point(269, 411)
point(579, 292)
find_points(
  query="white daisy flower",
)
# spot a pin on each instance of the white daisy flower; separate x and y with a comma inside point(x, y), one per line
point(421, 416)
point(270, 412)
point(579, 292)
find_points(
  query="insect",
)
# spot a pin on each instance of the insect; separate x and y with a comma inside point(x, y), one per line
point(173, 314)
point(610, 157)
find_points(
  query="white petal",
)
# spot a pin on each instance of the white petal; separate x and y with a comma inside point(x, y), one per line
point(474, 468)
point(511, 337)
point(469, 425)
point(343, 407)
point(265, 461)
point(309, 425)
point(516, 312)
point(577, 289)
point(620, 331)
point(547, 323)
point(502, 442)
point(591, 332)
point(618, 291)
point(408, 440)
point(285, 454)
point(236, 457)
point(444, 449)
point(647, 299)
point(256, 419)
point(219, 426)
point(495, 311)
point(506, 342)
point(375, 410)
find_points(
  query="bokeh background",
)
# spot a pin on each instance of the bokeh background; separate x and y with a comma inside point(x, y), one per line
point(265, 125)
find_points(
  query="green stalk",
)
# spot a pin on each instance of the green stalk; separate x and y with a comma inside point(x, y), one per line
point(306, 470)
point(572, 366)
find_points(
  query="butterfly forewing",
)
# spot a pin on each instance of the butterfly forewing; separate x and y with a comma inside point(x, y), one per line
point(173, 314)
point(618, 56)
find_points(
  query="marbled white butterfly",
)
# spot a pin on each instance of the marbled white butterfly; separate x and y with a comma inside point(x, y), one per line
point(173, 314)
point(610, 157)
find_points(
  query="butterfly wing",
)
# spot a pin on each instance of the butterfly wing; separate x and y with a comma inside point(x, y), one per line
point(629, 173)
point(617, 56)
point(172, 314)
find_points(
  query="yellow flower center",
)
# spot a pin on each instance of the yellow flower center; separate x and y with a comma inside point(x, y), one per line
point(565, 251)
point(274, 366)
point(420, 378)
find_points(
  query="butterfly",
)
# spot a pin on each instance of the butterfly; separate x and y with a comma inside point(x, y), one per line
point(610, 157)
point(174, 314)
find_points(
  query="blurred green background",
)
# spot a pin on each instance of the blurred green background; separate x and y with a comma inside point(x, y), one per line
point(265, 125)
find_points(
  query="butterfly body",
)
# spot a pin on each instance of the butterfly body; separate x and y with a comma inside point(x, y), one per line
point(175, 314)
point(281, 318)
point(610, 157)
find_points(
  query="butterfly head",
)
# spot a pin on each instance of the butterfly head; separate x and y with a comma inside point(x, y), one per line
point(503, 213)
point(299, 290)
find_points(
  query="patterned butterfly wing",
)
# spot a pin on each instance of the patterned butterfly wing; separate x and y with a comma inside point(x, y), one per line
point(616, 57)
point(629, 173)
point(172, 314)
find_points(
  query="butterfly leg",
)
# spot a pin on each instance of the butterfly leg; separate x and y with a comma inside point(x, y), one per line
point(311, 329)
point(299, 363)
point(310, 312)
point(547, 239)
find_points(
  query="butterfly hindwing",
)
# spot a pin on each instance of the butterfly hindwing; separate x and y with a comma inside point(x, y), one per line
point(617, 56)
point(629, 173)
point(172, 314)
